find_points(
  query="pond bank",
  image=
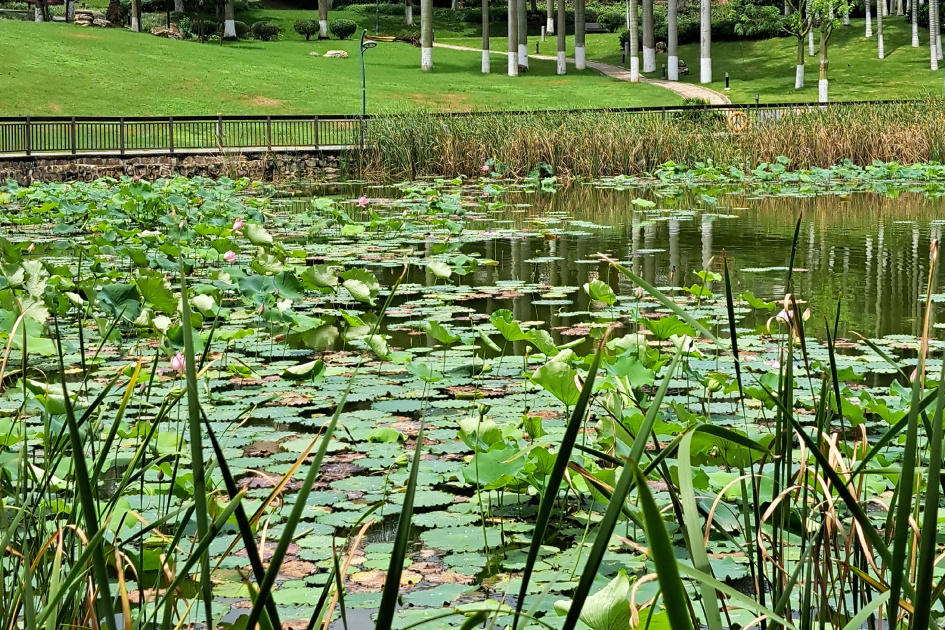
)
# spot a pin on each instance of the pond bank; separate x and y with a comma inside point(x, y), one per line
point(324, 166)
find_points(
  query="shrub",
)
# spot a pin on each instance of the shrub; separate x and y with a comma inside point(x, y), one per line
point(306, 28)
point(239, 6)
point(624, 38)
point(611, 20)
point(154, 6)
point(342, 29)
point(265, 31)
point(699, 116)
point(242, 29)
point(411, 37)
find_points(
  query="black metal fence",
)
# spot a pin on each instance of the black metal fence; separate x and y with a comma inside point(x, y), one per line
point(40, 136)
point(58, 136)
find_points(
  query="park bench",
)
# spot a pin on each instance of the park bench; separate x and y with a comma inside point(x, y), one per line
point(594, 27)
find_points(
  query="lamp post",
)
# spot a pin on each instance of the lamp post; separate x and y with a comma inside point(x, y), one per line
point(377, 17)
point(365, 45)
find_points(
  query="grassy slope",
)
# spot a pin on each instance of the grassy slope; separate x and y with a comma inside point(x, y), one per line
point(766, 67)
point(113, 72)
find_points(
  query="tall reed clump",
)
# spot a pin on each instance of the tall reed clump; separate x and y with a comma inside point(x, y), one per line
point(593, 144)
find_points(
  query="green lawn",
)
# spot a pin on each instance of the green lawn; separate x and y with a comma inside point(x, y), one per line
point(83, 72)
point(766, 67)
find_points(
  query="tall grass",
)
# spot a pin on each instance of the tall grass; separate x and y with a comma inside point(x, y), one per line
point(593, 144)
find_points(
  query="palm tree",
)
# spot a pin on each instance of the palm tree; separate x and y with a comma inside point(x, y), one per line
point(408, 12)
point(649, 43)
point(426, 35)
point(136, 15)
point(705, 41)
point(915, 23)
point(562, 29)
point(550, 17)
point(934, 40)
point(513, 38)
point(880, 9)
point(580, 26)
point(229, 21)
point(485, 37)
point(635, 43)
point(672, 43)
point(322, 19)
point(522, 34)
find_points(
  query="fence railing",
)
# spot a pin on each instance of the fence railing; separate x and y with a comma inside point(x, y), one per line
point(61, 136)
point(39, 136)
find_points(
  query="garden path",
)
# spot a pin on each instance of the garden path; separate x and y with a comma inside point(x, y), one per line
point(685, 90)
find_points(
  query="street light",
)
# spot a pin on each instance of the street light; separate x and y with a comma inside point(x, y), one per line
point(365, 45)
point(377, 17)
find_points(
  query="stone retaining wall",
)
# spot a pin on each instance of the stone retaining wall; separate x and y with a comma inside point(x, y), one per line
point(318, 166)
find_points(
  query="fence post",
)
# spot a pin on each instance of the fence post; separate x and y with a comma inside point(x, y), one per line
point(220, 130)
point(269, 132)
point(170, 135)
point(121, 136)
point(316, 132)
point(29, 136)
point(72, 135)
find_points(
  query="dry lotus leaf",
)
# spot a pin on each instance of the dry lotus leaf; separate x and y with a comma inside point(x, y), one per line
point(439, 574)
point(297, 569)
point(374, 579)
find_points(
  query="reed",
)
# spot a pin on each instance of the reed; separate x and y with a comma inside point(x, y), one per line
point(593, 144)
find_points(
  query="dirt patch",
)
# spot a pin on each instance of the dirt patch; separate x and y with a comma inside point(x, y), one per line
point(263, 101)
point(54, 107)
point(451, 102)
point(81, 35)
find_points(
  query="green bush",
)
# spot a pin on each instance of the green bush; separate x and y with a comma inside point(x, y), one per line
point(342, 29)
point(612, 20)
point(306, 28)
point(411, 37)
point(265, 31)
point(624, 38)
point(242, 29)
point(923, 16)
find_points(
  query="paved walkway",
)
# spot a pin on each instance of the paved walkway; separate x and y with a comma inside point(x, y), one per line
point(685, 90)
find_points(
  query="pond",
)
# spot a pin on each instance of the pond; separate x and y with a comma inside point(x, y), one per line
point(459, 321)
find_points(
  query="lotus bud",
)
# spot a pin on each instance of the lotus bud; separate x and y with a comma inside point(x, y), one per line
point(178, 363)
point(806, 315)
point(31, 248)
point(230, 256)
point(639, 293)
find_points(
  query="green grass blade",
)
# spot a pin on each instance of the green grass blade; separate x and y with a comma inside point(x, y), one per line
point(730, 307)
point(388, 606)
point(665, 301)
point(196, 445)
point(929, 532)
point(789, 287)
point(664, 558)
point(643, 435)
point(554, 479)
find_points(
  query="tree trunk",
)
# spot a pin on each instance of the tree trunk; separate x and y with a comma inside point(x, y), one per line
point(454, 5)
point(880, 9)
point(38, 12)
point(787, 8)
point(229, 21)
point(136, 16)
point(534, 7)
point(70, 11)
point(522, 34)
point(322, 19)
point(846, 15)
point(899, 10)
point(513, 38)
point(426, 35)
point(822, 83)
point(672, 44)
point(799, 74)
point(550, 17)
point(634, 42)
point(562, 30)
point(933, 28)
point(580, 26)
point(705, 42)
point(810, 42)
point(915, 23)
point(869, 18)
point(408, 12)
point(112, 13)
point(649, 41)
point(485, 37)
point(178, 6)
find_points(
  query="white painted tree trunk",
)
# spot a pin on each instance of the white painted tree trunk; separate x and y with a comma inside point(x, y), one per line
point(799, 77)
point(846, 15)
point(810, 42)
point(649, 38)
point(522, 34)
point(933, 39)
point(634, 69)
point(523, 55)
point(822, 91)
point(915, 23)
point(323, 29)
point(408, 15)
point(869, 18)
point(486, 66)
point(229, 20)
point(705, 41)
point(562, 45)
point(672, 44)
point(513, 37)
point(426, 35)
point(879, 27)
point(37, 13)
point(634, 42)
point(322, 19)
point(550, 17)
point(580, 24)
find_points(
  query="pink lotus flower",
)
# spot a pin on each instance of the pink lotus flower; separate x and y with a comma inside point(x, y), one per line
point(261, 308)
point(773, 363)
point(137, 178)
point(362, 201)
point(230, 256)
point(238, 224)
point(31, 248)
point(485, 193)
point(178, 363)
point(485, 168)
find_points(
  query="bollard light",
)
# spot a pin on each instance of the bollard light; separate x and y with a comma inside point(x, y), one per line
point(663, 72)
point(726, 80)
